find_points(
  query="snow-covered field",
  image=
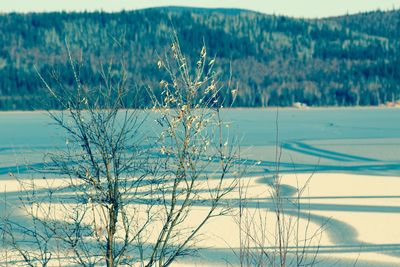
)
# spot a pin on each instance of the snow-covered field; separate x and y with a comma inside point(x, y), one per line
point(352, 198)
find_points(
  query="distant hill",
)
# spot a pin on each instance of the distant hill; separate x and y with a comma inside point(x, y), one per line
point(275, 60)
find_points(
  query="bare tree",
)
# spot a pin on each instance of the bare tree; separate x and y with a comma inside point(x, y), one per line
point(123, 198)
point(278, 234)
point(92, 214)
point(198, 155)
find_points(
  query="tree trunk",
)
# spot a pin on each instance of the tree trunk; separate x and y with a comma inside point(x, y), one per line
point(110, 238)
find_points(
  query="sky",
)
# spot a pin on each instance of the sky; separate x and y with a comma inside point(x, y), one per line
point(294, 8)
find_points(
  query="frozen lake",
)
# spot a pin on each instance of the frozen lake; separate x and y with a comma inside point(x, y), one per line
point(363, 141)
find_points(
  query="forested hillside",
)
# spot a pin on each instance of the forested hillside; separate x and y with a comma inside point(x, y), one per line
point(272, 60)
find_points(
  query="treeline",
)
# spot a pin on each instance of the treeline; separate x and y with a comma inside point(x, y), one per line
point(270, 60)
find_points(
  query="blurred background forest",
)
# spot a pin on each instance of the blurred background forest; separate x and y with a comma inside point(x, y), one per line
point(272, 60)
